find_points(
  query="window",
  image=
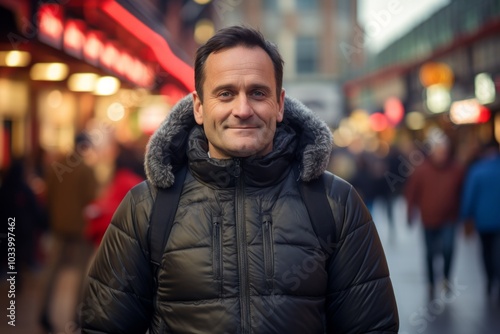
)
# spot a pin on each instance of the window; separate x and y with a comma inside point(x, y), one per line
point(306, 5)
point(306, 49)
point(271, 5)
point(344, 7)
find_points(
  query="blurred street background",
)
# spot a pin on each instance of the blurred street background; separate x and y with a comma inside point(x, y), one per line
point(83, 84)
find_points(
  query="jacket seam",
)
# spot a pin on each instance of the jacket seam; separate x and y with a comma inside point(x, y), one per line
point(345, 215)
point(123, 231)
point(361, 283)
point(144, 299)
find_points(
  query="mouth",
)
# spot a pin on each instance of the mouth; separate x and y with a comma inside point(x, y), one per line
point(243, 127)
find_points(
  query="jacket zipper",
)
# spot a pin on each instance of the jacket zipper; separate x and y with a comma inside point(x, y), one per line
point(267, 235)
point(217, 249)
point(242, 249)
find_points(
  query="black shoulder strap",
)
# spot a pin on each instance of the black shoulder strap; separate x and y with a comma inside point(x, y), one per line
point(162, 217)
point(316, 201)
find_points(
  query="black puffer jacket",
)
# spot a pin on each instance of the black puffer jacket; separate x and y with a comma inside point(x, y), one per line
point(242, 256)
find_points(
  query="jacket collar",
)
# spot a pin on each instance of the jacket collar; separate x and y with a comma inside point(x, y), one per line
point(168, 147)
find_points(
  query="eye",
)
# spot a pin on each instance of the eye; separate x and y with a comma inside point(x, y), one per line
point(225, 94)
point(258, 94)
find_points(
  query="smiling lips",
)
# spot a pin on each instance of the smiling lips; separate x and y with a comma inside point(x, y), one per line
point(242, 127)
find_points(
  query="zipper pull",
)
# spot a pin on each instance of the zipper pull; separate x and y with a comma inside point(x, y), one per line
point(237, 168)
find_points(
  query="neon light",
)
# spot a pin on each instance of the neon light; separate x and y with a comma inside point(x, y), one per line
point(166, 58)
point(50, 24)
point(93, 46)
point(74, 37)
point(109, 55)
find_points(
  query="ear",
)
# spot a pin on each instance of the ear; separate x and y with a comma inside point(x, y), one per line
point(197, 108)
point(281, 111)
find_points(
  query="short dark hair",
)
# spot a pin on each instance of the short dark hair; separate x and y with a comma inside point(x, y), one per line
point(231, 37)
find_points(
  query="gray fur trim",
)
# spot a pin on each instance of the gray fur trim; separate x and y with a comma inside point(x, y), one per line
point(316, 145)
point(315, 155)
point(158, 168)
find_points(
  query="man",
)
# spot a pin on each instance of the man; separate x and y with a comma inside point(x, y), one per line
point(434, 189)
point(242, 255)
point(480, 206)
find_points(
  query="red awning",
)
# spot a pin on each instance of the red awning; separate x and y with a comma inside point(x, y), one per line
point(168, 61)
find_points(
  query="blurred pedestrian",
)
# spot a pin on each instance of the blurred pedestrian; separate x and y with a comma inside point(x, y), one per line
point(390, 190)
point(364, 179)
point(481, 206)
point(71, 185)
point(434, 190)
point(19, 202)
point(100, 211)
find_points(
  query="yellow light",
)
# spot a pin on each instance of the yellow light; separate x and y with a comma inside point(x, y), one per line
point(484, 88)
point(415, 120)
point(14, 58)
point(115, 111)
point(49, 71)
point(203, 31)
point(338, 140)
point(107, 86)
point(82, 82)
point(55, 99)
point(202, 2)
point(438, 98)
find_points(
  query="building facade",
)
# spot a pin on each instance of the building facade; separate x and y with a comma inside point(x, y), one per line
point(111, 67)
point(310, 36)
point(444, 72)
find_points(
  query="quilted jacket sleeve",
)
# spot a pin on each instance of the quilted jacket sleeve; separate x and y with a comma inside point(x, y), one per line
point(360, 295)
point(118, 295)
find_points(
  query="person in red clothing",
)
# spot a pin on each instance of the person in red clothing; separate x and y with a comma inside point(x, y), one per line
point(434, 190)
point(100, 211)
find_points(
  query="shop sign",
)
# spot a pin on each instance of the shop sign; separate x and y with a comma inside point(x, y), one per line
point(50, 25)
point(77, 40)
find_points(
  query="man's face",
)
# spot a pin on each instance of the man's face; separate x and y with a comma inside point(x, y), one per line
point(240, 108)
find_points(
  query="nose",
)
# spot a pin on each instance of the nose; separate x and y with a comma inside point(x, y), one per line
point(242, 108)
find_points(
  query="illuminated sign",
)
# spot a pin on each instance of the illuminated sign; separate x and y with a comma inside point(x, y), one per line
point(93, 47)
point(469, 111)
point(74, 38)
point(77, 40)
point(50, 25)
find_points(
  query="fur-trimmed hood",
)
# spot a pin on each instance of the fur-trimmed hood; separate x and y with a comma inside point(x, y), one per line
point(166, 150)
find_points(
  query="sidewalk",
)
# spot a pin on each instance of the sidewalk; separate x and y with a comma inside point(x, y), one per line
point(465, 311)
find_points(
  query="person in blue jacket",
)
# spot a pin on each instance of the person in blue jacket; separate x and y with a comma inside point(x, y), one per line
point(481, 206)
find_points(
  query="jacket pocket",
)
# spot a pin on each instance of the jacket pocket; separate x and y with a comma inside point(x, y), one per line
point(217, 248)
point(267, 242)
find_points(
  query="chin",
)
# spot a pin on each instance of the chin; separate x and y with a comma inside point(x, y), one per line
point(243, 152)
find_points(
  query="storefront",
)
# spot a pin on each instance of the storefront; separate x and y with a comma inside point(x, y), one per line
point(68, 66)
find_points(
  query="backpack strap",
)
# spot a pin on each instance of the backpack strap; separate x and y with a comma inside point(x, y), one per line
point(319, 210)
point(162, 218)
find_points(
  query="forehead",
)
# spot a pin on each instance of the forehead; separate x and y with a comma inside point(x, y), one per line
point(239, 61)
